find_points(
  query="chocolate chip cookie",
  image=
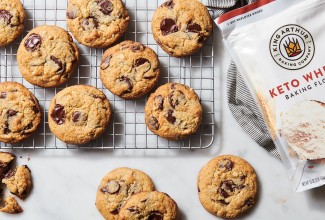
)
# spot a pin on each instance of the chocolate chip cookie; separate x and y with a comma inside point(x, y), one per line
point(97, 23)
point(12, 19)
point(173, 111)
point(19, 181)
point(149, 205)
point(47, 56)
point(6, 160)
point(181, 26)
point(20, 114)
point(117, 187)
point(227, 186)
point(11, 206)
point(129, 69)
point(79, 114)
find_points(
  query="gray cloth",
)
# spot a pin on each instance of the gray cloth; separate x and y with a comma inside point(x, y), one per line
point(240, 100)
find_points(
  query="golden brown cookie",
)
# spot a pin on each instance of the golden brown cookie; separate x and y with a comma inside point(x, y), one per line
point(11, 206)
point(117, 187)
point(12, 19)
point(181, 26)
point(20, 113)
point(227, 186)
point(129, 69)
point(47, 56)
point(79, 114)
point(97, 23)
point(173, 111)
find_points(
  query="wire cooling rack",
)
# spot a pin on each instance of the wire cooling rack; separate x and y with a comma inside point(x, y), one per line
point(127, 129)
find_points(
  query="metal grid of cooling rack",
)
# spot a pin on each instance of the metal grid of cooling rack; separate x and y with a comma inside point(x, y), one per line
point(127, 129)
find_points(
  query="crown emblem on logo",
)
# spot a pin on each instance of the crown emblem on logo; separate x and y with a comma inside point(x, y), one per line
point(292, 48)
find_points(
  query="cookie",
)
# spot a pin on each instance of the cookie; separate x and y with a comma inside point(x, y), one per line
point(180, 27)
point(47, 56)
point(227, 186)
point(11, 206)
point(6, 160)
point(20, 113)
point(12, 19)
point(149, 205)
point(79, 114)
point(19, 181)
point(117, 187)
point(129, 69)
point(97, 23)
point(173, 111)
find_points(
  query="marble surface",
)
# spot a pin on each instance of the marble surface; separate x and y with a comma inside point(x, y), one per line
point(65, 181)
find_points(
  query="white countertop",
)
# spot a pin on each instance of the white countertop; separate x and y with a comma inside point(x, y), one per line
point(65, 181)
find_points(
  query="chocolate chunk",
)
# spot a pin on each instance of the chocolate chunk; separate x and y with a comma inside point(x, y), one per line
point(241, 187)
point(11, 112)
point(136, 47)
point(173, 86)
point(59, 63)
point(229, 185)
point(97, 97)
point(160, 102)
point(128, 82)
point(242, 177)
point(169, 116)
point(223, 202)
point(106, 6)
point(115, 212)
point(76, 116)
point(155, 215)
point(112, 187)
point(10, 173)
point(202, 37)
point(89, 23)
point(58, 114)
point(140, 62)
point(133, 210)
point(176, 98)
point(193, 27)
point(249, 202)
point(6, 16)
point(153, 123)
point(6, 129)
point(3, 95)
point(33, 42)
point(35, 109)
point(168, 26)
point(169, 4)
point(226, 164)
point(106, 62)
point(223, 193)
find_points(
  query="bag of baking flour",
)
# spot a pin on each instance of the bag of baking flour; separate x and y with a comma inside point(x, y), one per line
point(279, 47)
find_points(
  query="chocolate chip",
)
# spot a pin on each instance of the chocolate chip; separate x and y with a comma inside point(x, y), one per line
point(89, 23)
point(76, 116)
point(33, 42)
point(58, 114)
point(11, 112)
point(223, 193)
point(3, 95)
point(6, 129)
point(106, 6)
point(128, 82)
point(226, 164)
point(160, 102)
point(223, 202)
point(35, 109)
point(169, 116)
point(59, 63)
point(169, 4)
point(173, 86)
point(242, 177)
point(229, 185)
point(10, 173)
point(140, 62)
point(193, 27)
point(156, 216)
point(136, 47)
point(115, 212)
point(153, 123)
point(168, 26)
point(202, 37)
point(6, 16)
point(249, 202)
point(241, 187)
point(133, 210)
point(97, 97)
point(176, 98)
point(111, 187)
point(106, 62)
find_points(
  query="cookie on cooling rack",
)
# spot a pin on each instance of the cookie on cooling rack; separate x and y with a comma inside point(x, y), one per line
point(117, 187)
point(79, 114)
point(20, 112)
point(149, 205)
point(97, 23)
point(47, 56)
point(12, 19)
point(173, 111)
point(129, 69)
point(181, 26)
point(227, 186)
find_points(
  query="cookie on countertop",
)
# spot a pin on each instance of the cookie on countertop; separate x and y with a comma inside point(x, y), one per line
point(12, 19)
point(181, 26)
point(149, 205)
point(79, 114)
point(227, 186)
point(47, 56)
point(11, 206)
point(20, 113)
point(19, 181)
point(173, 111)
point(117, 187)
point(6, 160)
point(129, 69)
point(97, 23)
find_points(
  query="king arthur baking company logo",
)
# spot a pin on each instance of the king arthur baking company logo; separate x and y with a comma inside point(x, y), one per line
point(292, 47)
